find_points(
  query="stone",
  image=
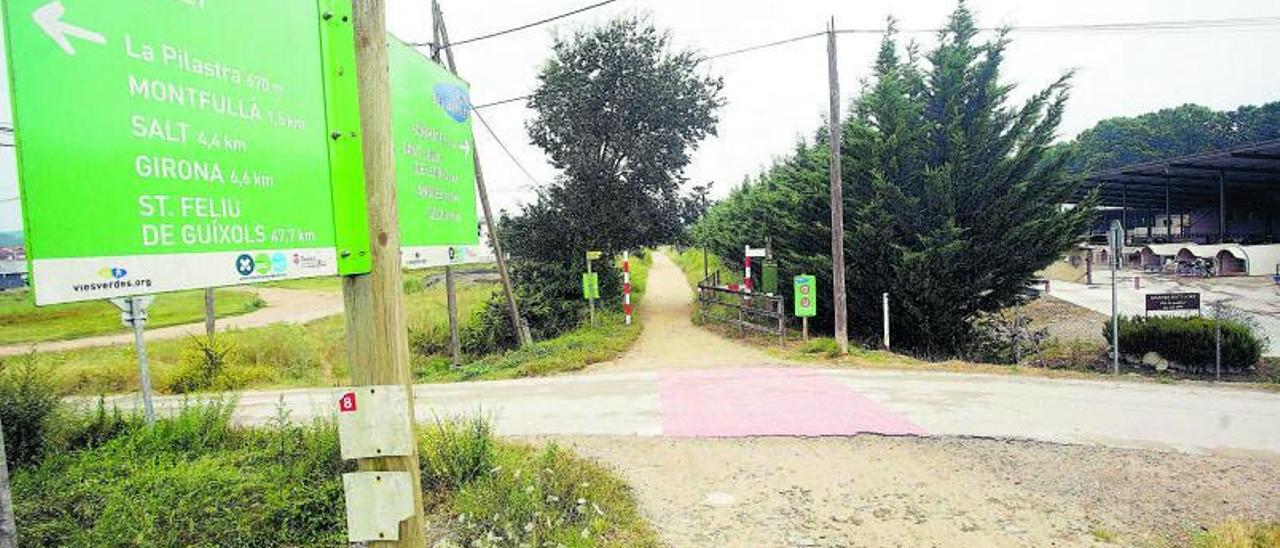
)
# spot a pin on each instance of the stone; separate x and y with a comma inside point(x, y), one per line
point(1153, 360)
point(796, 539)
point(718, 499)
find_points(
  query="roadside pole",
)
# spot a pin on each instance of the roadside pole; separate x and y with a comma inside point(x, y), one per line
point(1217, 341)
point(508, 290)
point(837, 197)
point(209, 313)
point(451, 297)
point(377, 337)
point(591, 302)
point(885, 299)
point(1115, 237)
point(706, 271)
point(626, 285)
point(8, 525)
point(133, 313)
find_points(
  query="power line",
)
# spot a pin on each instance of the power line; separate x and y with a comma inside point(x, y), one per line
point(775, 43)
point(502, 102)
point(504, 148)
point(1176, 25)
point(517, 29)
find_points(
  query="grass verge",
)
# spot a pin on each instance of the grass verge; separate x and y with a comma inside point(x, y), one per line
point(281, 355)
point(571, 351)
point(690, 262)
point(22, 322)
point(196, 480)
point(1239, 534)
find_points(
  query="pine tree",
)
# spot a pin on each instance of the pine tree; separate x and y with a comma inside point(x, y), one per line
point(952, 201)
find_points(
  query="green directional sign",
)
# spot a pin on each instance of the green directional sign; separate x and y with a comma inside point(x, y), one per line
point(435, 162)
point(806, 296)
point(166, 145)
point(590, 285)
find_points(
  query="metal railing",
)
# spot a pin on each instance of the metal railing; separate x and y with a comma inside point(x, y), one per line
point(747, 311)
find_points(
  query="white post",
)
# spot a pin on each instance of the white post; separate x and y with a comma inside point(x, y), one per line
point(8, 525)
point(886, 320)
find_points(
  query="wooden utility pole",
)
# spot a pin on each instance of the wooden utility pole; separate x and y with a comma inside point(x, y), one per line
point(450, 283)
point(837, 197)
point(8, 526)
point(521, 333)
point(209, 313)
point(451, 298)
point(377, 336)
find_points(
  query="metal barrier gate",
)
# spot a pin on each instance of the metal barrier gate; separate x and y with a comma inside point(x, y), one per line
point(748, 311)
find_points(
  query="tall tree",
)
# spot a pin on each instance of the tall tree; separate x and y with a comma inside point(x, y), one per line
point(618, 111)
point(952, 201)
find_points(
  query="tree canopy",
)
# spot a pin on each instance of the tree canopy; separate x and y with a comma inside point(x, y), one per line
point(618, 111)
point(1171, 132)
point(952, 201)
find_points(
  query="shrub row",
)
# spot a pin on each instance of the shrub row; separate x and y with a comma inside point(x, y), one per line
point(1190, 341)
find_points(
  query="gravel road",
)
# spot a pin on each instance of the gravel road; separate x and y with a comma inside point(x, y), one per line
point(877, 491)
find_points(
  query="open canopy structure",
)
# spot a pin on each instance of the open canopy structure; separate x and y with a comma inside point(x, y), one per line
point(1239, 185)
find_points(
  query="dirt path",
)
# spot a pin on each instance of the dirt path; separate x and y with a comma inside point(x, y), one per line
point(876, 491)
point(670, 340)
point(283, 305)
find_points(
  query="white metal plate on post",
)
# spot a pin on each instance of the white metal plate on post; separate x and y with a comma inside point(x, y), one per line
point(757, 251)
point(373, 421)
point(376, 504)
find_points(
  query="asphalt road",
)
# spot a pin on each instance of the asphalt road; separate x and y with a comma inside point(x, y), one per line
point(774, 401)
point(686, 382)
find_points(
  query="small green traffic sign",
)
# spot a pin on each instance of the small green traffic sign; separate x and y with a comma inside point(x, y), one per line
point(806, 296)
point(590, 285)
point(182, 144)
point(435, 162)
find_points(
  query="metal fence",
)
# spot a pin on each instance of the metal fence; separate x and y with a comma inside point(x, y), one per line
point(747, 311)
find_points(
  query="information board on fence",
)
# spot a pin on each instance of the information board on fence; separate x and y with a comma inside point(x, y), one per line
point(1169, 302)
point(434, 161)
point(167, 145)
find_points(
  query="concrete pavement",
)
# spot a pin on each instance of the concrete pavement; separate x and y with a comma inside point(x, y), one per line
point(792, 401)
point(282, 306)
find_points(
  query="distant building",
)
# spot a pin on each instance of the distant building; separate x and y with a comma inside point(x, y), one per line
point(13, 253)
point(13, 273)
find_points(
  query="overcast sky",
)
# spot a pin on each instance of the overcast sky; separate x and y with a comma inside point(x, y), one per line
point(778, 95)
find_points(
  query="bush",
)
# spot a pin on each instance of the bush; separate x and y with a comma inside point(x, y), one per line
point(430, 340)
point(203, 361)
point(1004, 338)
point(455, 453)
point(28, 404)
point(1189, 342)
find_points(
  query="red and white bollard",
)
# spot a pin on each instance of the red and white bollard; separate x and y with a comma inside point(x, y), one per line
point(626, 285)
point(746, 279)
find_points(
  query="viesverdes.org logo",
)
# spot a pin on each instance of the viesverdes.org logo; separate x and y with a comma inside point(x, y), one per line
point(114, 278)
point(453, 99)
point(113, 273)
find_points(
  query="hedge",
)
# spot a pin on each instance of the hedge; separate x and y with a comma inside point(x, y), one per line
point(1189, 341)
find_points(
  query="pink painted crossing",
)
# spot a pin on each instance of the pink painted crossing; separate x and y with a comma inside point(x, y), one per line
point(771, 402)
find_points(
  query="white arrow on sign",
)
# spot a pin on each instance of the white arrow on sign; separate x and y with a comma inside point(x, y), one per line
point(49, 18)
